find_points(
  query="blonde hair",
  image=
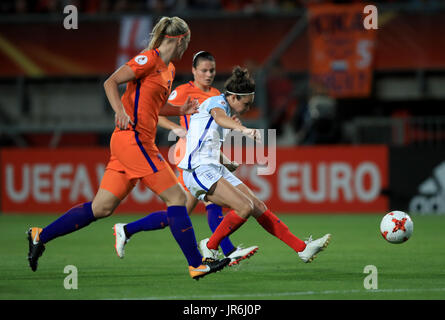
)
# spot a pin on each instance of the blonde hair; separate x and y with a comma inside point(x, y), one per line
point(168, 27)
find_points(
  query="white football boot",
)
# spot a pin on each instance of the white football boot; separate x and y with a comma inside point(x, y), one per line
point(121, 239)
point(206, 252)
point(240, 254)
point(313, 247)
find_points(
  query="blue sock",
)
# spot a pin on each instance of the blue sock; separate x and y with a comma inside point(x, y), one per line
point(74, 219)
point(154, 221)
point(182, 230)
point(214, 218)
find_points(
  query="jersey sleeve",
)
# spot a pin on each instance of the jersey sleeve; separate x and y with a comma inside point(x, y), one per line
point(178, 96)
point(217, 103)
point(142, 65)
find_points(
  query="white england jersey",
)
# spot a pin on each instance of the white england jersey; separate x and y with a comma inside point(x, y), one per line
point(205, 136)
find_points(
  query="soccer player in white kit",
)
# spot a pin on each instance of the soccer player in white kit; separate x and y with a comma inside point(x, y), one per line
point(207, 179)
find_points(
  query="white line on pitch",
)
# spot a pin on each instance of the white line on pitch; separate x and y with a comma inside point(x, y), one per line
point(284, 294)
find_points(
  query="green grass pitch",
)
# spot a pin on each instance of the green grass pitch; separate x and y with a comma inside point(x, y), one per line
point(154, 267)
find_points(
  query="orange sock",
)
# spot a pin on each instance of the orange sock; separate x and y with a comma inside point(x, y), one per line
point(228, 225)
point(276, 227)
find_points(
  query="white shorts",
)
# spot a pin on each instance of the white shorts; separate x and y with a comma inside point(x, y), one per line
point(202, 178)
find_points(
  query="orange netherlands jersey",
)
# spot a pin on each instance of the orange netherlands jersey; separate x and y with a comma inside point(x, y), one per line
point(147, 94)
point(133, 151)
point(180, 94)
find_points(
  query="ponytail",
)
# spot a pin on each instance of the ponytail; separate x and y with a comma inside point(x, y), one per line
point(168, 27)
point(240, 83)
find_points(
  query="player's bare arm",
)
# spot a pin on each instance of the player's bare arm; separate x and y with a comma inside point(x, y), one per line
point(227, 122)
point(111, 86)
point(165, 123)
point(189, 107)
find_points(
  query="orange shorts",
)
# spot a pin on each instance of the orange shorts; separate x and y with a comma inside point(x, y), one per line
point(118, 183)
point(131, 154)
point(131, 160)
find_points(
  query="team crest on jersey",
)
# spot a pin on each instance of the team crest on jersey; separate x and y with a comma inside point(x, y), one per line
point(141, 60)
point(223, 103)
point(172, 95)
point(209, 175)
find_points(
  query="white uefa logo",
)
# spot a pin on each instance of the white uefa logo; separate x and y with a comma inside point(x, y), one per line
point(173, 95)
point(141, 60)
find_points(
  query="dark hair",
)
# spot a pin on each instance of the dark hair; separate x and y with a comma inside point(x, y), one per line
point(239, 82)
point(202, 55)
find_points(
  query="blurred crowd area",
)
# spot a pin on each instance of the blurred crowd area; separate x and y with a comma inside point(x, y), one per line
point(404, 106)
point(124, 6)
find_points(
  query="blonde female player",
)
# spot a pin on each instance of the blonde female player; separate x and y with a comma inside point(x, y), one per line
point(134, 155)
point(208, 180)
point(204, 70)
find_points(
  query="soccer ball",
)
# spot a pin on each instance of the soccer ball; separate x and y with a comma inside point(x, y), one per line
point(396, 227)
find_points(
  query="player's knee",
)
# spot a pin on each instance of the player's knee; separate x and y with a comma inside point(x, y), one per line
point(102, 210)
point(259, 205)
point(178, 199)
point(182, 199)
point(245, 208)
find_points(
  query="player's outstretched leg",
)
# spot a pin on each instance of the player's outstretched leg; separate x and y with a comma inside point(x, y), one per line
point(73, 220)
point(76, 218)
point(182, 230)
point(225, 194)
point(236, 254)
point(158, 220)
point(306, 250)
point(313, 247)
point(245, 203)
point(123, 232)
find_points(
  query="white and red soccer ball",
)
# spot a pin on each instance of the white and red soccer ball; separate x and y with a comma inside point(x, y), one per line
point(396, 227)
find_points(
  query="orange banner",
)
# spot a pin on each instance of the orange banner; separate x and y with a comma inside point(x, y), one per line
point(341, 50)
point(340, 179)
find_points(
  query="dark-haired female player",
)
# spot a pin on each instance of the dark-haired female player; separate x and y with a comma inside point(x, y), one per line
point(207, 179)
point(200, 89)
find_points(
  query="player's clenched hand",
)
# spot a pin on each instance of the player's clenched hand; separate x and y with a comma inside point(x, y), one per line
point(122, 119)
point(190, 106)
point(180, 132)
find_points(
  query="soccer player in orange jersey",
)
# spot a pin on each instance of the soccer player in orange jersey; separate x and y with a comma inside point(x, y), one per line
point(203, 69)
point(134, 155)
